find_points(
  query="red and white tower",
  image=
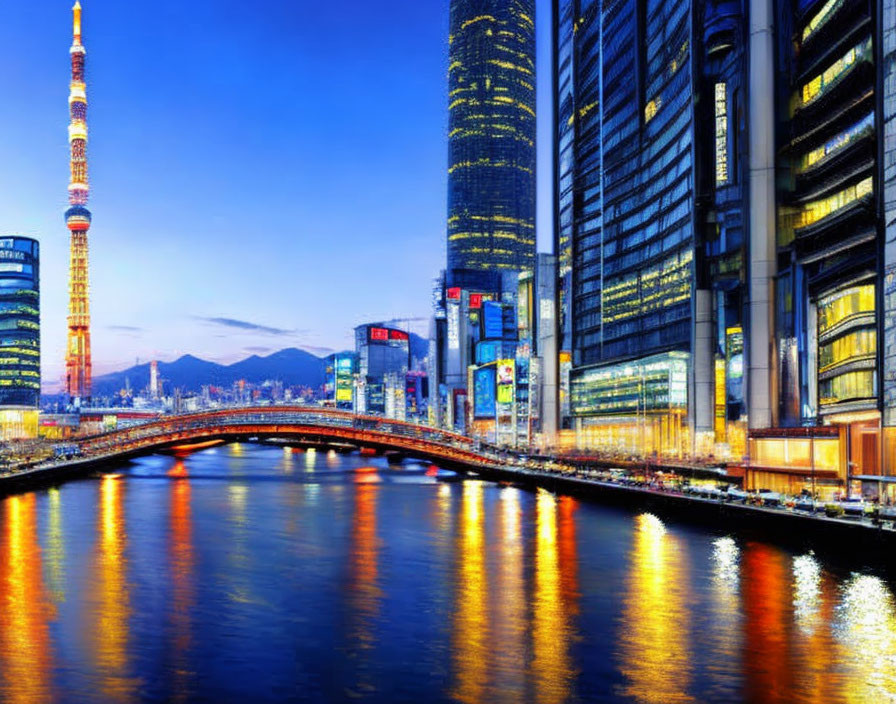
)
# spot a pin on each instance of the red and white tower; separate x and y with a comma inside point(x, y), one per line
point(77, 217)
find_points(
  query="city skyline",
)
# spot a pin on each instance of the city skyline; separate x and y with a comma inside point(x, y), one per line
point(164, 288)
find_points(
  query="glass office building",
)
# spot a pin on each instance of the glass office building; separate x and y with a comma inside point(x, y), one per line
point(834, 306)
point(19, 337)
point(491, 169)
point(722, 177)
point(625, 197)
point(383, 356)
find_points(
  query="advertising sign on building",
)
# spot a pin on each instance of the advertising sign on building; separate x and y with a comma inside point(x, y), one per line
point(344, 379)
point(493, 320)
point(484, 393)
point(487, 352)
point(505, 381)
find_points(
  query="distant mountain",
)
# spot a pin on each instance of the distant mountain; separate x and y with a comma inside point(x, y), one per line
point(292, 366)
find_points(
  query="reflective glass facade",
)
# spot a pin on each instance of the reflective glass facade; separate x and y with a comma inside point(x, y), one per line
point(19, 322)
point(721, 205)
point(828, 218)
point(382, 355)
point(624, 211)
point(491, 167)
point(625, 185)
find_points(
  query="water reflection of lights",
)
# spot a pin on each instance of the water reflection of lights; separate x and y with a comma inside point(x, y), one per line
point(866, 631)
point(367, 475)
point(178, 469)
point(655, 653)
point(25, 646)
point(181, 570)
point(113, 607)
point(55, 547)
point(724, 638)
point(806, 591)
point(726, 557)
point(310, 459)
point(551, 666)
point(365, 594)
point(510, 608)
point(470, 647)
point(237, 495)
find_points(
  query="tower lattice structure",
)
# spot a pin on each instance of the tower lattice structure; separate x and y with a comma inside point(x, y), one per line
point(77, 217)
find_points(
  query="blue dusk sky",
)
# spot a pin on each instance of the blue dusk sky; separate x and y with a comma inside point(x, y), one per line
point(263, 175)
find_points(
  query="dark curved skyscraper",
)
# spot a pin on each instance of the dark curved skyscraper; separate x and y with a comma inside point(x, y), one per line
point(491, 165)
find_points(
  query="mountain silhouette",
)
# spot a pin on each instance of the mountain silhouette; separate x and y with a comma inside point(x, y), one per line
point(291, 366)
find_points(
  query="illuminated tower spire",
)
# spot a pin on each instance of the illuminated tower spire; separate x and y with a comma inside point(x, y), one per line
point(77, 217)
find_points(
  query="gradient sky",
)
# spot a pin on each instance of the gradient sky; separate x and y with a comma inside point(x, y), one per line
point(263, 175)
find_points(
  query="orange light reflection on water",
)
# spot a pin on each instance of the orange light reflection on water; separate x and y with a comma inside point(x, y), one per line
point(470, 636)
point(26, 657)
point(180, 557)
point(552, 668)
point(509, 602)
point(112, 606)
point(364, 589)
point(655, 655)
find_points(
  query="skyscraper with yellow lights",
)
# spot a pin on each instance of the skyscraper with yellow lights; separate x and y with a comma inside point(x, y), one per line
point(77, 217)
point(491, 168)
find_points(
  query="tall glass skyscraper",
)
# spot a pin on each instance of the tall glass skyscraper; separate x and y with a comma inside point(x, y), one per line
point(626, 230)
point(491, 167)
point(19, 337)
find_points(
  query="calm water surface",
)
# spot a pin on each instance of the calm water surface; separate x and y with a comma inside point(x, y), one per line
point(249, 573)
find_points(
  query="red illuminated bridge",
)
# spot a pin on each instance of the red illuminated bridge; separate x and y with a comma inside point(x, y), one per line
point(315, 426)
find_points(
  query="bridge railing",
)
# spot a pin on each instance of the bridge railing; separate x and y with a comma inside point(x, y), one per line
point(255, 416)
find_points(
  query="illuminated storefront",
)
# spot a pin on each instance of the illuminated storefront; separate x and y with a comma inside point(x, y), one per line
point(637, 407)
point(793, 460)
point(19, 337)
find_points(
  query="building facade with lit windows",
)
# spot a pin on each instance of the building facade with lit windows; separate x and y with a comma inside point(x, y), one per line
point(835, 267)
point(726, 200)
point(19, 337)
point(383, 356)
point(491, 169)
point(648, 231)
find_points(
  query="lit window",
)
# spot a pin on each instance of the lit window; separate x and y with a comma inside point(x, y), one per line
point(721, 134)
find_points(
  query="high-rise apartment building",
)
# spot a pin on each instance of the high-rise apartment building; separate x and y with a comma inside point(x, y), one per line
point(491, 169)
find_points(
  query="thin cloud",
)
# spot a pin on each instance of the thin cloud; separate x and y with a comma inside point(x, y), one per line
point(124, 328)
point(258, 350)
point(249, 327)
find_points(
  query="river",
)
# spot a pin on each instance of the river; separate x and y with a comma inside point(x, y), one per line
point(249, 573)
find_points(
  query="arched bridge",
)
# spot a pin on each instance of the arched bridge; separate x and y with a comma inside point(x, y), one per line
point(304, 424)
